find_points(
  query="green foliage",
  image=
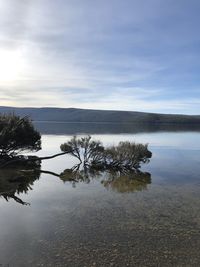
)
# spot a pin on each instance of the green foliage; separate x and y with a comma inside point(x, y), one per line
point(73, 147)
point(84, 149)
point(125, 155)
point(16, 135)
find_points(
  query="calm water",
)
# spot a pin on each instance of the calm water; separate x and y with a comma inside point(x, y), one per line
point(148, 222)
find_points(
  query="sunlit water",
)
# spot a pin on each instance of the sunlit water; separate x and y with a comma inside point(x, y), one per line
point(89, 224)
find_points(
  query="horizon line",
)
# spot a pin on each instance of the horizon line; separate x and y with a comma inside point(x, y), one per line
point(109, 110)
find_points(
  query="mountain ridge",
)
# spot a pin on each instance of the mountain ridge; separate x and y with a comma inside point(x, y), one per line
point(95, 115)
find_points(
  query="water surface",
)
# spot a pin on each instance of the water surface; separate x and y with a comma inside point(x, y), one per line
point(152, 222)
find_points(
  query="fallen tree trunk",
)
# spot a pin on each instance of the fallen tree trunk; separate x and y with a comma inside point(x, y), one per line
point(49, 172)
point(23, 159)
point(54, 156)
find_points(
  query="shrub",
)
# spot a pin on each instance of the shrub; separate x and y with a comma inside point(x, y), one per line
point(125, 155)
point(16, 135)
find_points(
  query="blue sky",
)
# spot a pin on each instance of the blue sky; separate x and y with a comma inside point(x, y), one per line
point(139, 55)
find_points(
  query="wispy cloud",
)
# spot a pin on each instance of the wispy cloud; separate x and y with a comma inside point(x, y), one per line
point(132, 55)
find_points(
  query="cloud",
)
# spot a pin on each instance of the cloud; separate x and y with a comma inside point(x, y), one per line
point(94, 53)
point(138, 99)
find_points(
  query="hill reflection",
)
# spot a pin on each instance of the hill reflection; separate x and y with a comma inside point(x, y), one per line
point(114, 128)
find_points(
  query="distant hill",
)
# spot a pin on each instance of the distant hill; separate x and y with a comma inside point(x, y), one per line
point(104, 116)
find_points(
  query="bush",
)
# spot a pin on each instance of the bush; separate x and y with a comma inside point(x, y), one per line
point(16, 135)
point(125, 155)
point(84, 149)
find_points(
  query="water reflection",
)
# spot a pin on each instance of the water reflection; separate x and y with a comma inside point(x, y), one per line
point(15, 181)
point(116, 128)
point(118, 181)
point(80, 173)
point(95, 225)
point(127, 183)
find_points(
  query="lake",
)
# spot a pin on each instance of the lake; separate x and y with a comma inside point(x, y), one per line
point(153, 221)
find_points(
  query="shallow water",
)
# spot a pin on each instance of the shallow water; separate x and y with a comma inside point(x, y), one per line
point(152, 223)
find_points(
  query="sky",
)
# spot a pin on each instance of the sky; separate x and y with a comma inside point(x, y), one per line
point(141, 55)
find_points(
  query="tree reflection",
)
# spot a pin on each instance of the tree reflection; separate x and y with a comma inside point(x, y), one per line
point(117, 168)
point(15, 181)
point(127, 182)
point(118, 181)
point(80, 173)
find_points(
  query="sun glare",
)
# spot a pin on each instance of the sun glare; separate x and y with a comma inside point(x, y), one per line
point(10, 66)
